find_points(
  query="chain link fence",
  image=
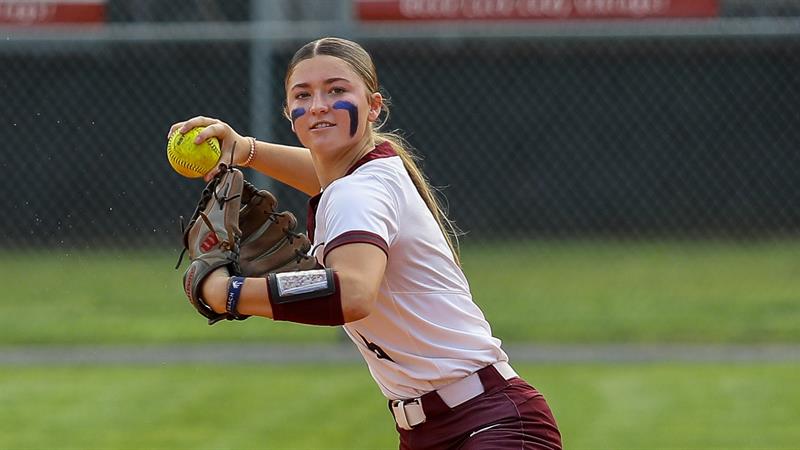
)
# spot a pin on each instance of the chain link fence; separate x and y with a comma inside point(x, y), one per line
point(529, 137)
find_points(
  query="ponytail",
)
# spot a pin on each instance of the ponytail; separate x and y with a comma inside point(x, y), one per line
point(426, 191)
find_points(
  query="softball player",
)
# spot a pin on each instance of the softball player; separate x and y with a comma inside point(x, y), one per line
point(391, 273)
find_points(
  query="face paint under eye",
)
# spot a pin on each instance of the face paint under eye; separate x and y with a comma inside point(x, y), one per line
point(353, 110)
point(297, 112)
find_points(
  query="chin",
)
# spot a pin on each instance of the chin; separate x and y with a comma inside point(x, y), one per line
point(329, 145)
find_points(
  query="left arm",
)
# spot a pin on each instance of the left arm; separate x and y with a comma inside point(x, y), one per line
point(360, 268)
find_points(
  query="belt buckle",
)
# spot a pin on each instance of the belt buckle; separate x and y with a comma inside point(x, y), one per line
point(401, 416)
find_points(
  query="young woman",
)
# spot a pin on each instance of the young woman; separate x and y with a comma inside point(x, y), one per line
point(399, 291)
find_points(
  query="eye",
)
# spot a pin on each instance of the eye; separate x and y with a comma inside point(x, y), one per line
point(301, 95)
point(338, 90)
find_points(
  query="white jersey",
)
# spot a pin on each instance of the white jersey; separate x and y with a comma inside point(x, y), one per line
point(424, 331)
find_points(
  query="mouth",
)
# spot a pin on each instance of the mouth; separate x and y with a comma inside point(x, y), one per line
point(322, 125)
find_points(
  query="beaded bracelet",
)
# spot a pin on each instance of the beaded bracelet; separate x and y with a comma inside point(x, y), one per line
point(252, 154)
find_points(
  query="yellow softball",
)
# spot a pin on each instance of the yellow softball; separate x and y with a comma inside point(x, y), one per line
point(189, 159)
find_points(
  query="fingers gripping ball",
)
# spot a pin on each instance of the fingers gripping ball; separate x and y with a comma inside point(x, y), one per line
point(189, 159)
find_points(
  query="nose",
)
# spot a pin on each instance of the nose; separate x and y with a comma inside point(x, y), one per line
point(318, 104)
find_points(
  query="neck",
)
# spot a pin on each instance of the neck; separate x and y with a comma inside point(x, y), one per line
point(331, 168)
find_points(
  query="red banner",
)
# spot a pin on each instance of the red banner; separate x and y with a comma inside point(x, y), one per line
point(32, 12)
point(379, 10)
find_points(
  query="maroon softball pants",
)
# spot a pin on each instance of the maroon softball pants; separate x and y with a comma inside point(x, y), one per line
point(510, 414)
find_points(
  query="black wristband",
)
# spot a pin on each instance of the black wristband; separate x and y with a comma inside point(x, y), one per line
point(234, 291)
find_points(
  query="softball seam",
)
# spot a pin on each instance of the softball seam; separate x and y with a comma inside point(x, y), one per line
point(175, 160)
point(173, 157)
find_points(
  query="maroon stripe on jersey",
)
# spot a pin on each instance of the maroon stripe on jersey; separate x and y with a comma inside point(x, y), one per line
point(382, 150)
point(311, 218)
point(352, 237)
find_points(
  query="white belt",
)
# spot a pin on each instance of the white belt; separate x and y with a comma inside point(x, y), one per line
point(409, 413)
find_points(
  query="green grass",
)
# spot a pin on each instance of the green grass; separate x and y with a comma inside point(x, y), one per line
point(114, 297)
point(630, 406)
point(676, 292)
point(559, 292)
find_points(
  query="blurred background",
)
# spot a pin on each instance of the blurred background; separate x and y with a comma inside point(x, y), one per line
point(626, 174)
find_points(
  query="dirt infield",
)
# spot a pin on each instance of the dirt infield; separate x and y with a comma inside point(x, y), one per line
point(346, 353)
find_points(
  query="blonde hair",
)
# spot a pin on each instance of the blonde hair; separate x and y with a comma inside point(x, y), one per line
point(361, 62)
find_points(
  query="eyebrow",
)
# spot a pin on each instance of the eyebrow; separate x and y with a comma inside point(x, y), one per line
point(328, 81)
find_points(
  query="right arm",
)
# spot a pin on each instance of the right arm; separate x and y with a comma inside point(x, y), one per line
point(289, 165)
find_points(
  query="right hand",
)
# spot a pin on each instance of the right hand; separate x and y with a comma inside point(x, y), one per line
point(226, 135)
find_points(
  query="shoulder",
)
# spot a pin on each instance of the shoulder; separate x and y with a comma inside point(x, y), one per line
point(382, 168)
point(363, 202)
point(378, 177)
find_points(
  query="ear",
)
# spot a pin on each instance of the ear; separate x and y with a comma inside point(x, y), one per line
point(375, 106)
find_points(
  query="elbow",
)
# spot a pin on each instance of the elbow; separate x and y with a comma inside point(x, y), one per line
point(357, 306)
point(358, 291)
